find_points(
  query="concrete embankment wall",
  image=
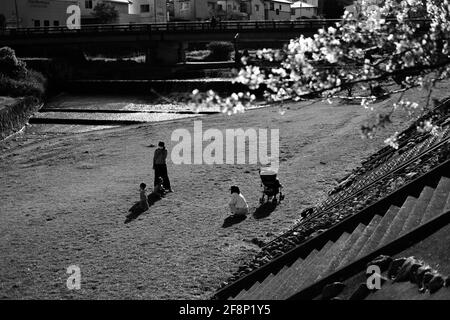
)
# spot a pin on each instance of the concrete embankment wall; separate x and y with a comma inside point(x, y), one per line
point(14, 114)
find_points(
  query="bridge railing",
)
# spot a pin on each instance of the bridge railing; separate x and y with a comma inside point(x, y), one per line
point(176, 27)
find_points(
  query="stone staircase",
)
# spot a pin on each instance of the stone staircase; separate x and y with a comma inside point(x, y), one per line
point(385, 226)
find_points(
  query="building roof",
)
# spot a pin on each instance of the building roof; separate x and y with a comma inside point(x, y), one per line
point(301, 4)
point(120, 1)
point(283, 1)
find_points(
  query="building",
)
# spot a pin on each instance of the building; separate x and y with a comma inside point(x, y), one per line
point(254, 9)
point(122, 6)
point(232, 9)
point(35, 13)
point(149, 10)
point(192, 10)
point(300, 10)
point(43, 13)
point(277, 10)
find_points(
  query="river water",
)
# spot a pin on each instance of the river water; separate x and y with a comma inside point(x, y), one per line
point(80, 113)
point(92, 112)
point(70, 113)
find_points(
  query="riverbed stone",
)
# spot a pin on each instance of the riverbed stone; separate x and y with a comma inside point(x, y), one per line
point(395, 266)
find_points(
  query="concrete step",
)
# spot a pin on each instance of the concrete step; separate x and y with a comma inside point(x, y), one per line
point(251, 291)
point(397, 224)
point(323, 265)
point(245, 294)
point(414, 218)
point(374, 240)
point(361, 241)
point(272, 290)
point(334, 262)
point(438, 200)
point(297, 281)
point(297, 267)
point(261, 292)
point(257, 288)
point(447, 205)
point(288, 286)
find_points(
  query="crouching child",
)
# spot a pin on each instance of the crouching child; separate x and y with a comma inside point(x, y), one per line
point(238, 205)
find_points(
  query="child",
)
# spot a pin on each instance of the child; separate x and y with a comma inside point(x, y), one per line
point(143, 197)
point(159, 187)
point(158, 190)
point(238, 204)
point(142, 205)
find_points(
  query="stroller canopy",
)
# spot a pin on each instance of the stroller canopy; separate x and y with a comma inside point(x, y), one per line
point(268, 171)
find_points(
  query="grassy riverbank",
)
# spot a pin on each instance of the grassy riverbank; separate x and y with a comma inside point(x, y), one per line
point(64, 201)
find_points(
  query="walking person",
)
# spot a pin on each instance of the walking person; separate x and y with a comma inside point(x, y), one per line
point(160, 167)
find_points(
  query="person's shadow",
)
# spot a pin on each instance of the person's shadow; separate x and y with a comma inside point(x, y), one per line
point(233, 219)
point(264, 210)
point(136, 210)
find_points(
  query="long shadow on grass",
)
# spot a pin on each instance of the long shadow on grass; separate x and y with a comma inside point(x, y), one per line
point(232, 220)
point(136, 210)
point(264, 210)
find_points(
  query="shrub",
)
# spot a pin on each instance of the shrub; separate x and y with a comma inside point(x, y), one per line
point(220, 50)
point(15, 79)
point(32, 85)
point(10, 66)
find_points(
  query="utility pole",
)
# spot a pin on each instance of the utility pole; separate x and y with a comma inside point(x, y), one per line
point(17, 14)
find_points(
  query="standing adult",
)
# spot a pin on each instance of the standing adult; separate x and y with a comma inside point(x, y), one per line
point(160, 167)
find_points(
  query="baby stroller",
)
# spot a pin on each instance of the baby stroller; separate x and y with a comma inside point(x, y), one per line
point(271, 186)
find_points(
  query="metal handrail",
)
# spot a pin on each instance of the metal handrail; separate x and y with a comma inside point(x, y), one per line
point(175, 27)
point(229, 25)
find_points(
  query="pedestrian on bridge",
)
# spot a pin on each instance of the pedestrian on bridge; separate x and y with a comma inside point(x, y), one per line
point(213, 22)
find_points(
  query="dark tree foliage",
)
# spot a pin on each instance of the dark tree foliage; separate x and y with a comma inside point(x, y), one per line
point(333, 9)
point(9, 64)
point(220, 50)
point(105, 12)
point(2, 22)
point(15, 79)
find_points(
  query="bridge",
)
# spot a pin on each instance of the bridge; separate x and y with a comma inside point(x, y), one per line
point(164, 42)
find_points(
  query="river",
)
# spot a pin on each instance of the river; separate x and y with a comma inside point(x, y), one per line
point(69, 112)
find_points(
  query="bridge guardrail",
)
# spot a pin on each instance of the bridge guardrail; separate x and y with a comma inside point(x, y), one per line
point(188, 26)
point(180, 27)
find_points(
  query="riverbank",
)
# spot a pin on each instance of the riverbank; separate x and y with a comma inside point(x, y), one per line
point(64, 202)
point(15, 112)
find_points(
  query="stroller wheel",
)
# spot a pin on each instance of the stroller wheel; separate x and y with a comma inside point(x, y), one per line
point(261, 200)
point(282, 197)
point(274, 200)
